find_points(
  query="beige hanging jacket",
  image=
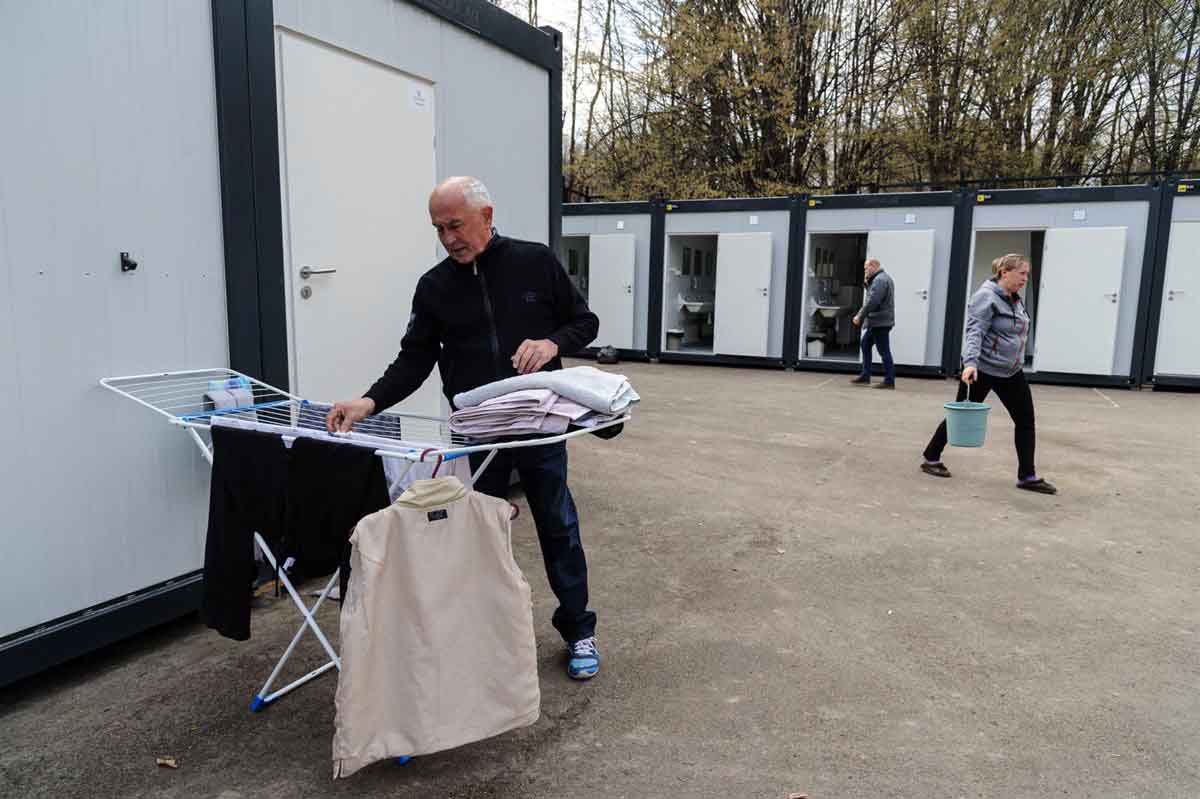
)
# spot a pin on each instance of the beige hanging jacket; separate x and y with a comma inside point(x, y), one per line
point(437, 639)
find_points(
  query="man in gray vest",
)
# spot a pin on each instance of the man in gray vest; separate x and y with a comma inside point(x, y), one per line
point(877, 317)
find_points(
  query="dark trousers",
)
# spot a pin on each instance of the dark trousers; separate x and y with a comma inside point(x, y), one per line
point(543, 473)
point(304, 501)
point(1018, 401)
point(881, 339)
point(248, 494)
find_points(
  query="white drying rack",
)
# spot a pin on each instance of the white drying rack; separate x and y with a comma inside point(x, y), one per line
point(180, 398)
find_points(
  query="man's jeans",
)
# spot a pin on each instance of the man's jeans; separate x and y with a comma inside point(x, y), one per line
point(543, 473)
point(881, 338)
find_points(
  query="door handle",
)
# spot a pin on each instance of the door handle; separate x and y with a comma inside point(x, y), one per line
point(765, 292)
point(924, 294)
point(1112, 295)
point(629, 289)
point(307, 271)
point(1171, 294)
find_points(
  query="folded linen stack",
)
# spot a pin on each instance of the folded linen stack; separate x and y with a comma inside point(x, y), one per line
point(229, 395)
point(542, 403)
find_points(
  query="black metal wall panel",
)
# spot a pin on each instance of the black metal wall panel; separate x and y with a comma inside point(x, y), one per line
point(237, 185)
point(898, 200)
point(268, 201)
point(732, 204)
point(960, 272)
point(658, 235)
point(66, 639)
point(1066, 194)
point(794, 300)
point(598, 209)
point(555, 134)
point(1146, 290)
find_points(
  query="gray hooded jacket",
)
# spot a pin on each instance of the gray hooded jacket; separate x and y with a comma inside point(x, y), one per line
point(997, 327)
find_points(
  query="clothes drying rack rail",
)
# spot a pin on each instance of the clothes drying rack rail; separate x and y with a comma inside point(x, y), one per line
point(183, 399)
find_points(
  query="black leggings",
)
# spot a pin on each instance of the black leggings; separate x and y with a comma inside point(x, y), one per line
point(1018, 401)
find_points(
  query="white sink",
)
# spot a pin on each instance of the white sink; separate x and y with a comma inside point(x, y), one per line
point(832, 311)
point(695, 305)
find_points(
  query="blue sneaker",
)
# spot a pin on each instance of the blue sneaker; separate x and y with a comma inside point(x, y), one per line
point(583, 660)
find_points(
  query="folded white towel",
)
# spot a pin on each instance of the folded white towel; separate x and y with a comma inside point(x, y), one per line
point(600, 391)
point(528, 411)
point(228, 398)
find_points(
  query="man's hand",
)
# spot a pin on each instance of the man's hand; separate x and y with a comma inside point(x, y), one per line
point(343, 415)
point(969, 374)
point(533, 355)
point(856, 321)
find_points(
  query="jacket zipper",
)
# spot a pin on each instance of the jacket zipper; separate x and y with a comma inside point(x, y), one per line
point(491, 318)
point(1017, 363)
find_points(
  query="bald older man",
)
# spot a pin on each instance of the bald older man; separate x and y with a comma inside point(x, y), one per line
point(495, 308)
point(877, 317)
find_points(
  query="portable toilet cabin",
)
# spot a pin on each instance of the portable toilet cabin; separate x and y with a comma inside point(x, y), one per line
point(912, 236)
point(1086, 299)
point(720, 292)
point(235, 183)
point(605, 248)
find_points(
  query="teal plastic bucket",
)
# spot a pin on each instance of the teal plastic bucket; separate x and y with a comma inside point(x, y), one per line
point(966, 423)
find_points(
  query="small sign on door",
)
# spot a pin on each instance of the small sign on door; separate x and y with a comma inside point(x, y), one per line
point(420, 98)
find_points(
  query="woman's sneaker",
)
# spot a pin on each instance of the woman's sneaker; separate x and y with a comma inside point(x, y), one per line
point(583, 659)
point(937, 468)
point(1038, 485)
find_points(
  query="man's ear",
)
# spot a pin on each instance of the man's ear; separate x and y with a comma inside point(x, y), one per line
point(487, 214)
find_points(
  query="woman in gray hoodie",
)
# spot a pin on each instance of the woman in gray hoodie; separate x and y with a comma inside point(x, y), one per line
point(993, 356)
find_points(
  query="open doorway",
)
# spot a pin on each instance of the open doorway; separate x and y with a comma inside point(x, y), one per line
point(990, 245)
point(690, 293)
point(574, 253)
point(833, 293)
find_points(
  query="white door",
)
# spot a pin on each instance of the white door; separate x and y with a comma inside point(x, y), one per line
point(1177, 353)
point(1079, 300)
point(907, 255)
point(743, 298)
point(610, 287)
point(357, 164)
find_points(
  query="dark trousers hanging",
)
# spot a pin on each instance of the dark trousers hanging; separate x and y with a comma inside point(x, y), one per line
point(304, 501)
point(330, 487)
point(249, 493)
point(1014, 393)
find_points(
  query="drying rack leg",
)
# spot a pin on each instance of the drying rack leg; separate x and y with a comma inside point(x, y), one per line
point(264, 697)
point(478, 472)
point(204, 450)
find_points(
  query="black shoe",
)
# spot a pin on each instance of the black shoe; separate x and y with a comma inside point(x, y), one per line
point(936, 469)
point(1039, 485)
point(886, 385)
point(860, 381)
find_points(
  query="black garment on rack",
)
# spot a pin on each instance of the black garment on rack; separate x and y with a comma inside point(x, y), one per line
point(304, 501)
point(330, 487)
point(249, 492)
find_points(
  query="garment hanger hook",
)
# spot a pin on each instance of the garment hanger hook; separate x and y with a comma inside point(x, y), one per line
point(437, 466)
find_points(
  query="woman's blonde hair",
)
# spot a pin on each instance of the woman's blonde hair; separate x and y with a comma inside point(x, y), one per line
point(1007, 263)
